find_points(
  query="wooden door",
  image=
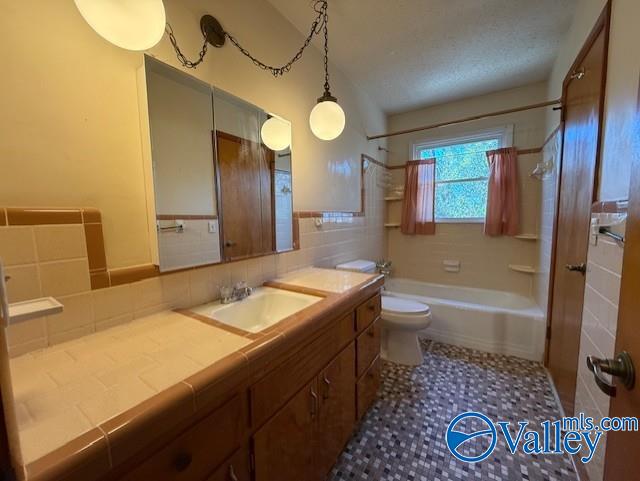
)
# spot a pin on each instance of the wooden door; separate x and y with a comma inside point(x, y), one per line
point(582, 114)
point(337, 389)
point(245, 187)
point(283, 447)
point(622, 459)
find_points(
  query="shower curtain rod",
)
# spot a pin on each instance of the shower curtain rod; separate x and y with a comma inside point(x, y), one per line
point(467, 119)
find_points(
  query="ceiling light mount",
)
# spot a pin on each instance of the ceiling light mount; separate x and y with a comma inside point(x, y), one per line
point(212, 31)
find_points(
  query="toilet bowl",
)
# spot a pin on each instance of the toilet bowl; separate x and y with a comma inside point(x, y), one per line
point(401, 320)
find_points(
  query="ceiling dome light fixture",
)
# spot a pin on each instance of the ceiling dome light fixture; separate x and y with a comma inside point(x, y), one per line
point(129, 24)
point(276, 133)
point(327, 119)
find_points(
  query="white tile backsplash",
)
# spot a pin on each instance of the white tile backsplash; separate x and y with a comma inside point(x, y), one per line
point(87, 311)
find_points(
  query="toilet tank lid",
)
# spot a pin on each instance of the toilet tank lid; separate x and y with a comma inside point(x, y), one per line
point(359, 265)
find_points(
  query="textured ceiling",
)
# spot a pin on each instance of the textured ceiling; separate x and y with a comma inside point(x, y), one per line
point(408, 54)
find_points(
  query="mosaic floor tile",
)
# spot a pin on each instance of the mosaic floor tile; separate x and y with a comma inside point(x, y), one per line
point(402, 437)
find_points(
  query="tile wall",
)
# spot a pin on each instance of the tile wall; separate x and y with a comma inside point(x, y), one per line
point(195, 246)
point(52, 260)
point(484, 261)
point(551, 153)
point(598, 336)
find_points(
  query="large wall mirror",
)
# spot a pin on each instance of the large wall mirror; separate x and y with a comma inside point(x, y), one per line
point(221, 172)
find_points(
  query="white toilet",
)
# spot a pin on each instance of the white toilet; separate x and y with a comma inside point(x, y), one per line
point(402, 319)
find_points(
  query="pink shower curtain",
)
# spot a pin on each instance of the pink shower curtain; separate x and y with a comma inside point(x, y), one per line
point(418, 206)
point(502, 200)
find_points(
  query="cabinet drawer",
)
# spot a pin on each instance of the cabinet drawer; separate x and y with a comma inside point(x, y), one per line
point(197, 452)
point(236, 468)
point(368, 312)
point(368, 345)
point(368, 387)
point(277, 387)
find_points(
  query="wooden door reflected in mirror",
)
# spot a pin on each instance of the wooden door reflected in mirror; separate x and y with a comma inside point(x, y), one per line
point(219, 192)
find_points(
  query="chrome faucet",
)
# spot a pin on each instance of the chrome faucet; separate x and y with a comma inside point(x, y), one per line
point(384, 268)
point(236, 293)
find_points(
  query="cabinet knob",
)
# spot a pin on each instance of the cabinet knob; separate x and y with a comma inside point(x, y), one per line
point(371, 306)
point(182, 462)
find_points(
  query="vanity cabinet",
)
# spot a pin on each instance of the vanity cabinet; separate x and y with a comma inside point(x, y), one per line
point(368, 312)
point(337, 409)
point(367, 387)
point(368, 344)
point(304, 439)
point(201, 449)
point(236, 468)
point(283, 448)
point(293, 414)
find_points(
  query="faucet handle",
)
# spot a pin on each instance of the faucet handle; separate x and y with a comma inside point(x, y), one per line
point(240, 285)
point(226, 292)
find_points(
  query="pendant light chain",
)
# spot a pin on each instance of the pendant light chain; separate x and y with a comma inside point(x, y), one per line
point(320, 22)
point(181, 57)
point(327, 88)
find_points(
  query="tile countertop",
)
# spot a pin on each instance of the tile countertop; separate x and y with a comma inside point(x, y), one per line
point(84, 405)
point(327, 280)
point(66, 390)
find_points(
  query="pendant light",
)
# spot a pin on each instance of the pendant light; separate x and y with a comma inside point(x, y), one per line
point(129, 24)
point(140, 24)
point(276, 133)
point(327, 119)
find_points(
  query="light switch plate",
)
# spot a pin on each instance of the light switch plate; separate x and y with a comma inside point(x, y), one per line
point(213, 227)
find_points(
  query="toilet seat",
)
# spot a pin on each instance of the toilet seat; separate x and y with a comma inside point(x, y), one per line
point(405, 313)
point(397, 305)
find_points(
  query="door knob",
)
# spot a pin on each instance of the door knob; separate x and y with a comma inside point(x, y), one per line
point(577, 267)
point(621, 367)
point(230, 244)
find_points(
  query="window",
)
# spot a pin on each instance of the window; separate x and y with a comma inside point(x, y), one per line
point(462, 173)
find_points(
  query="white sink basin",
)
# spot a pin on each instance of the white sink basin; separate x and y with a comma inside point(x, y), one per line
point(265, 307)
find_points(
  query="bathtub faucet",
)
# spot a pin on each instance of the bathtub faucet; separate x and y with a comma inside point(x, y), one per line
point(384, 268)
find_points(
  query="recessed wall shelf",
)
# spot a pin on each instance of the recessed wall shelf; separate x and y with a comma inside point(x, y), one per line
point(392, 225)
point(529, 237)
point(394, 198)
point(523, 269)
point(23, 311)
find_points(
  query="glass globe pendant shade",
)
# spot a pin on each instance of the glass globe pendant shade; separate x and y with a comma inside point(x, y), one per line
point(327, 119)
point(129, 24)
point(276, 133)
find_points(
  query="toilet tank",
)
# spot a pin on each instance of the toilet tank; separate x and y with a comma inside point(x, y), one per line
point(359, 265)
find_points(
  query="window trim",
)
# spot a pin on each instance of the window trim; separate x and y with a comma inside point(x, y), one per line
point(503, 133)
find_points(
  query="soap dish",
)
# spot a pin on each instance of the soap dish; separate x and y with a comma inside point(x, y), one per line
point(25, 310)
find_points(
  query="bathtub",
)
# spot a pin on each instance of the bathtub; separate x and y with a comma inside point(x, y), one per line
point(488, 320)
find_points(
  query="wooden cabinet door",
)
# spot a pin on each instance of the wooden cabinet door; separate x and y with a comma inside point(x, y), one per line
point(367, 387)
point(197, 452)
point(368, 347)
point(283, 447)
point(337, 389)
